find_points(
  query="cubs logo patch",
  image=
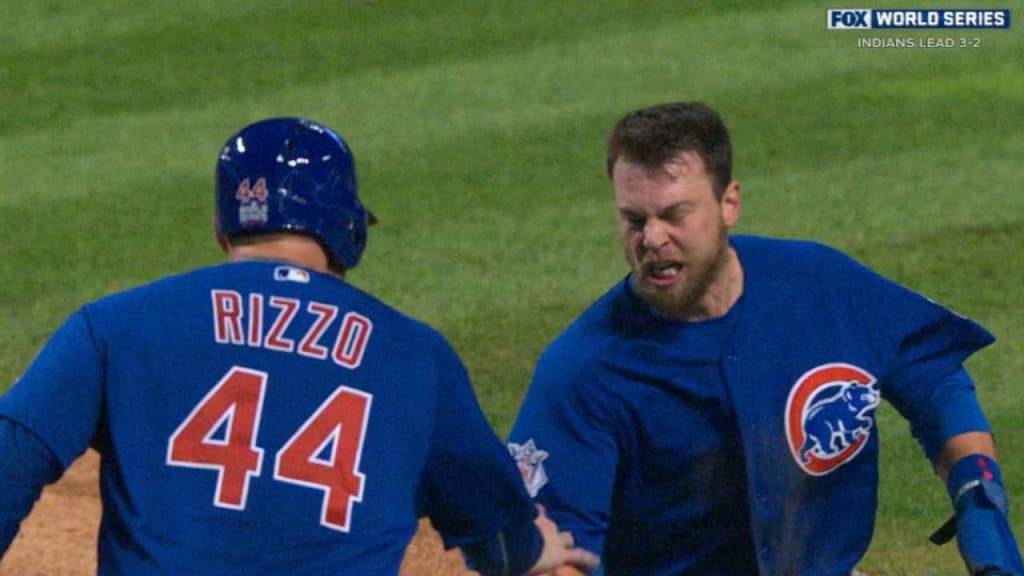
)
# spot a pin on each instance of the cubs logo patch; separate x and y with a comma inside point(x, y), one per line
point(530, 462)
point(252, 202)
point(830, 416)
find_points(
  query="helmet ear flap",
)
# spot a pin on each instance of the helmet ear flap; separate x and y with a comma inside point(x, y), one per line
point(356, 233)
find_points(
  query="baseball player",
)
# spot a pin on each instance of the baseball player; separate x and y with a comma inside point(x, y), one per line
point(714, 412)
point(263, 416)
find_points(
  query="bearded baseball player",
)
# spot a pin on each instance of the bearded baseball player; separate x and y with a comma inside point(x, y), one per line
point(263, 416)
point(714, 411)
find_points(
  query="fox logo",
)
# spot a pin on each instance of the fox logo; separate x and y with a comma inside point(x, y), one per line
point(830, 416)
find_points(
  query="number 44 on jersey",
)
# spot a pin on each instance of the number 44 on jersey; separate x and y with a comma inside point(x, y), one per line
point(234, 405)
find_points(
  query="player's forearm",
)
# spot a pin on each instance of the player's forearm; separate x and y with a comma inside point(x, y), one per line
point(963, 445)
point(26, 465)
point(523, 554)
point(513, 550)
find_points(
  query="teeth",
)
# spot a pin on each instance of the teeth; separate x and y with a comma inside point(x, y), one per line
point(664, 270)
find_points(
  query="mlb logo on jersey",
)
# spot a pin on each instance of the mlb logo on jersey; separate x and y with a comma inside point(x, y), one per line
point(830, 416)
point(291, 274)
point(530, 462)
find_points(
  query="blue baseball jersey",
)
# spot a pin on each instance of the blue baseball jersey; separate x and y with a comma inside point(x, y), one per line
point(261, 418)
point(744, 444)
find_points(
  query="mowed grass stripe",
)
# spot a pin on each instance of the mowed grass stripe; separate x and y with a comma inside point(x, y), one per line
point(503, 95)
point(132, 58)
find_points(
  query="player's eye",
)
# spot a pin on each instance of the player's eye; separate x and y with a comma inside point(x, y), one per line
point(634, 222)
point(676, 216)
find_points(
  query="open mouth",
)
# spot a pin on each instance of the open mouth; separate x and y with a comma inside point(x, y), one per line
point(662, 273)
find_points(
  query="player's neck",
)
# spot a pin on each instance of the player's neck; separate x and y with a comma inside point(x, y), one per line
point(725, 289)
point(297, 250)
point(727, 286)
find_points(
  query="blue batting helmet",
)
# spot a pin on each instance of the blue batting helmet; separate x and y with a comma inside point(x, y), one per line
point(292, 175)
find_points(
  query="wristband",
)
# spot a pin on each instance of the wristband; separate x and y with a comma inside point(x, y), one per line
point(976, 472)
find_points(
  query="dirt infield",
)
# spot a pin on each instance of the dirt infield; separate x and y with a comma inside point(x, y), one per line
point(59, 537)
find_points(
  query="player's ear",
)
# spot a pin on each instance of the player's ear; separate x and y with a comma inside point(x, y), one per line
point(730, 203)
point(221, 240)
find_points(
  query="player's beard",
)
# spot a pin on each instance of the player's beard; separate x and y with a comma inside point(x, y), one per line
point(682, 300)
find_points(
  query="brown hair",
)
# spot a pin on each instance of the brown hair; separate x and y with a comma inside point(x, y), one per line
point(652, 137)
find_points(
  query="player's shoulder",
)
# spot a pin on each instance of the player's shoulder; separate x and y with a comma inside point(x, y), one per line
point(146, 293)
point(793, 258)
point(162, 291)
point(795, 250)
point(597, 329)
point(183, 290)
point(402, 328)
point(597, 321)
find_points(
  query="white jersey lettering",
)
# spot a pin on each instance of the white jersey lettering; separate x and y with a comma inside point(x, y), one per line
point(263, 321)
point(351, 342)
point(325, 315)
point(275, 339)
point(227, 316)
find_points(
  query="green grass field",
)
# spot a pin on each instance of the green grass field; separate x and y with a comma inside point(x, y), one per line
point(478, 131)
